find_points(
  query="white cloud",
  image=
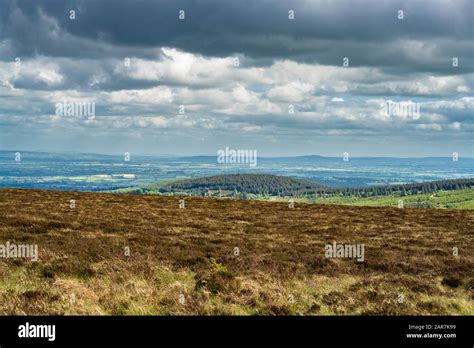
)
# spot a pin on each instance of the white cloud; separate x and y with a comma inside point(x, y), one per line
point(433, 126)
point(151, 96)
point(455, 125)
point(217, 94)
point(291, 92)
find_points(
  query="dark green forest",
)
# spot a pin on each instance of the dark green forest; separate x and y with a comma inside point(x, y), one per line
point(273, 185)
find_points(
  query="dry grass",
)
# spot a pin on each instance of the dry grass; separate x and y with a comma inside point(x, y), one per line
point(188, 254)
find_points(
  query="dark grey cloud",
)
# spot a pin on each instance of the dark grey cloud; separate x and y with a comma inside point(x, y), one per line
point(323, 32)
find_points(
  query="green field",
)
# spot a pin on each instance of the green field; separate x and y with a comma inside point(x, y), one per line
point(456, 199)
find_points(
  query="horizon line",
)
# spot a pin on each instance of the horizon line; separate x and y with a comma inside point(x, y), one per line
point(209, 155)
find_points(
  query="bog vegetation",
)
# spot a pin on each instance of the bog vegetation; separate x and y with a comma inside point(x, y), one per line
point(142, 254)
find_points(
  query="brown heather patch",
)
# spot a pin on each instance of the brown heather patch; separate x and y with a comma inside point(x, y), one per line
point(83, 269)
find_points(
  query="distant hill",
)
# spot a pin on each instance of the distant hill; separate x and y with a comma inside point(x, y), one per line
point(225, 185)
point(243, 185)
point(263, 184)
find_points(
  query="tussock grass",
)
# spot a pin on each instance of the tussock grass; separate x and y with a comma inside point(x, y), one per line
point(182, 261)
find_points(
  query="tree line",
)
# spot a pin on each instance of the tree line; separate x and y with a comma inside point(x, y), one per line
point(273, 185)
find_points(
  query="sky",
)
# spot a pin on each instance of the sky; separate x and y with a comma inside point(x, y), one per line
point(284, 78)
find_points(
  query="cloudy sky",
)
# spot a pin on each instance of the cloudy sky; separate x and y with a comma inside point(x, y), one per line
point(240, 74)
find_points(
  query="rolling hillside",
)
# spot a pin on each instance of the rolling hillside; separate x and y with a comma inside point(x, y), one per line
point(143, 254)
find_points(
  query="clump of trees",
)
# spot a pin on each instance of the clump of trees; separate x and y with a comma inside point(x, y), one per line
point(260, 184)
